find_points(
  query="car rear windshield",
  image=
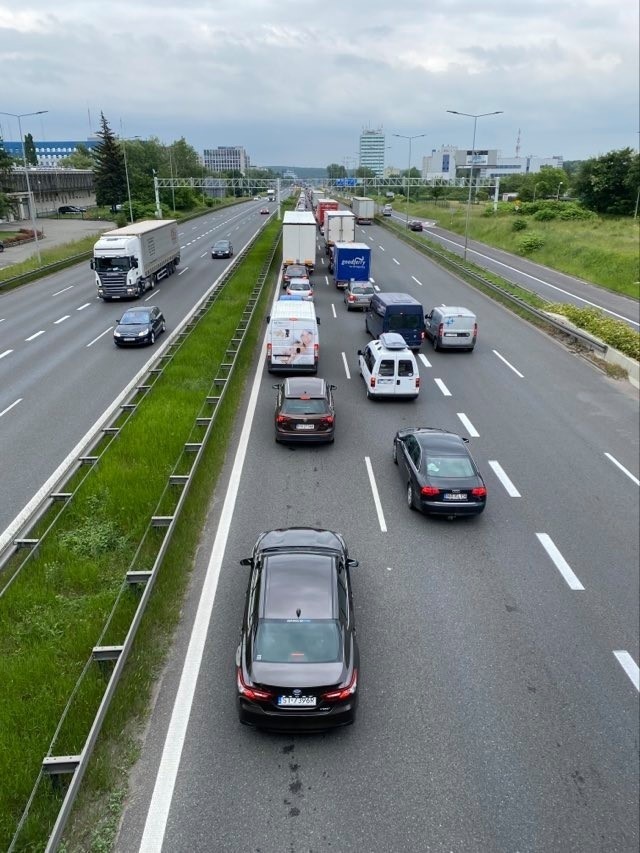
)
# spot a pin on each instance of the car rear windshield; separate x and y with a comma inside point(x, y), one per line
point(362, 288)
point(298, 641)
point(295, 406)
point(405, 321)
point(449, 466)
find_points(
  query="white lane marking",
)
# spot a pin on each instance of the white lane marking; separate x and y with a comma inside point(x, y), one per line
point(424, 360)
point(376, 496)
point(510, 366)
point(156, 822)
point(346, 366)
point(322, 261)
point(416, 280)
point(381, 247)
point(473, 432)
point(194, 227)
point(442, 387)
point(499, 471)
point(5, 353)
point(372, 280)
point(333, 310)
point(204, 254)
point(152, 295)
point(8, 409)
point(181, 234)
point(560, 563)
point(376, 288)
point(64, 290)
point(2, 319)
point(101, 335)
point(395, 262)
point(623, 469)
point(630, 667)
point(326, 280)
point(35, 335)
point(541, 281)
point(61, 320)
point(184, 270)
point(82, 307)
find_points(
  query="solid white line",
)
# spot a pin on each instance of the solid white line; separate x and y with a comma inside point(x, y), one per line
point(442, 387)
point(376, 496)
point(623, 469)
point(502, 358)
point(101, 335)
point(333, 309)
point(8, 409)
point(468, 425)
point(156, 822)
point(560, 563)
point(82, 307)
point(64, 290)
point(395, 262)
point(61, 320)
point(346, 366)
point(35, 335)
point(630, 667)
point(184, 270)
point(5, 353)
point(416, 280)
point(506, 482)
point(424, 360)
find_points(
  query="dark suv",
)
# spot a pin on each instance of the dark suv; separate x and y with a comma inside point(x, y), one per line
point(304, 410)
point(297, 662)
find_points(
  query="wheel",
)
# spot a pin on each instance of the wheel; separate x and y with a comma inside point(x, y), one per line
point(366, 326)
point(435, 343)
point(395, 453)
point(163, 328)
point(410, 497)
point(369, 394)
point(152, 339)
point(152, 281)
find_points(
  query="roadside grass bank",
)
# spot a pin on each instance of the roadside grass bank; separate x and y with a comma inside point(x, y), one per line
point(55, 611)
point(603, 251)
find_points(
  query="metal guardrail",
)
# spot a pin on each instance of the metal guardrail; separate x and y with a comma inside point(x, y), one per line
point(174, 495)
point(40, 272)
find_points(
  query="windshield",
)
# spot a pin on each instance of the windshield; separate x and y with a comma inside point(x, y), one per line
point(298, 641)
point(405, 321)
point(449, 467)
point(134, 318)
point(222, 244)
point(106, 264)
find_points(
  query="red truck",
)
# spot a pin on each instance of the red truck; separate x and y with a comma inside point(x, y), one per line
point(324, 204)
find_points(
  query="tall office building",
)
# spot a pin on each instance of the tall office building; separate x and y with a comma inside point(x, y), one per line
point(226, 158)
point(372, 147)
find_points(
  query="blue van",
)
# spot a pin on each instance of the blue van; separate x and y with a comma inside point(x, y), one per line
point(396, 312)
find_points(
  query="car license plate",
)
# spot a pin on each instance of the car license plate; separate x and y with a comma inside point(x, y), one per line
point(304, 426)
point(462, 496)
point(129, 339)
point(297, 701)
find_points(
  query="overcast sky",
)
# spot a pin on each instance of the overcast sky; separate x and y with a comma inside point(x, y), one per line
point(295, 81)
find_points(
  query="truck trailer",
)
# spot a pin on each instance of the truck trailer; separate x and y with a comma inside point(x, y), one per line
point(351, 262)
point(324, 204)
point(364, 209)
point(299, 239)
point(128, 261)
point(339, 227)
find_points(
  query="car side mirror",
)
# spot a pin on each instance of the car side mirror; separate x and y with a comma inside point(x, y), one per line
point(318, 320)
point(428, 316)
point(466, 440)
point(332, 387)
point(246, 561)
point(268, 317)
point(277, 385)
point(91, 264)
point(359, 352)
point(352, 563)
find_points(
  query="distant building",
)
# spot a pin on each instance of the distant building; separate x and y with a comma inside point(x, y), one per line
point(450, 162)
point(372, 148)
point(49, 154)
point(226, 158)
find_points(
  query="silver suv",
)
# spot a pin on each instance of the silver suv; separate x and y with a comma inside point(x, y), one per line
point(358, 294)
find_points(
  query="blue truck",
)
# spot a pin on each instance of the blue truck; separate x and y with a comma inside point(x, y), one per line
point(350, 262)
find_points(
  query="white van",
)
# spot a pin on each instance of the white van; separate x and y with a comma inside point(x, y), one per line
point(389, 368)
point(451, 327)
point(292, 337)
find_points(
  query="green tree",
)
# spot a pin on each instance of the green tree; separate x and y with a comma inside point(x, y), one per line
point(109, 173)
point(6, 160)
point(609, 184)
point(336, 171)
point(30, 150)
point(82, 158)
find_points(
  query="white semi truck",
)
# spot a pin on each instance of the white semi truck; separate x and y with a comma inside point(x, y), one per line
point(299, 239)
point(364, 209)
point(339, 227)
point(130, 260)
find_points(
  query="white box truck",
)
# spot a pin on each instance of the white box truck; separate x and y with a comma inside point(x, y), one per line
point(363, 209)
point(130, 260)
point(299, 239)
point(339, 227)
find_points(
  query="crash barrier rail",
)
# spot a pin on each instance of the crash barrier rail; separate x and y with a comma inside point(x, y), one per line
point(462, 269)
point(151, 550)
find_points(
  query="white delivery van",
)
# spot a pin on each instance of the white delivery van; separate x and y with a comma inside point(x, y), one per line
point(389, 368)
point(451, 327)
point(292, 337)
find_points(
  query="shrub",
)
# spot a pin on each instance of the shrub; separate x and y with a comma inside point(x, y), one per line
point(121, 219)
point(530, 243)
point(575, 212)
point(615, 333)
point(518, 225)
point(545, 214)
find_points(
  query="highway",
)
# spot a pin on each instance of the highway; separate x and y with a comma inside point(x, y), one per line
point(59, 368)
point(499, 681)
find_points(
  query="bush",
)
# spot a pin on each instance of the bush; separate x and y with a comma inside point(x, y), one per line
point(545, 214)
point(615, 333)
point(121, 219)
point(518, 225)
point(575, 212)
point(530, 243)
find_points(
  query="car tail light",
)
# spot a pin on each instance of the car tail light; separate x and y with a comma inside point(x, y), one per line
point(351, 298)
point(252, 693)
point(479, 492)
point(316, 350)
point(268, 350)
point(475, 330)
point(344, 692)
point(440, 330)
point(429, 491)
point(422, 335)
point(282, 420)
point(327, 421)
point(372, 382)
point(417, 381)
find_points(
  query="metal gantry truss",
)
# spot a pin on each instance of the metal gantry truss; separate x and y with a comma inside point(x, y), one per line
point(262, 185)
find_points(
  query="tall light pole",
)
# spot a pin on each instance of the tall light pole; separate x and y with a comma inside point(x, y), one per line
point(410, 138)
point(26, 172)
point(475, 117)
point(126, 172)
point(558, 190)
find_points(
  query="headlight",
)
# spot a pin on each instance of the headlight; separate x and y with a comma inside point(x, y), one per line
point(117, 334)
point(143, 333)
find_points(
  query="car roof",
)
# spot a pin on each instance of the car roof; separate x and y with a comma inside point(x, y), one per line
point(393, 341)
point(299, 586)
point(457, 310)
point(438, 441)
point(140, 308)
point(300, 280)
point(308, 386)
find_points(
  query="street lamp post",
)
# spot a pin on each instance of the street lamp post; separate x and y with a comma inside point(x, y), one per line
point(475, 117)
point(126, 172)
point(410, 138)
point(26, 172)
point(558, 191)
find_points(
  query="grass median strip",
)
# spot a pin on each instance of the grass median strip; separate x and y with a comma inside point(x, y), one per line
point(53, 614)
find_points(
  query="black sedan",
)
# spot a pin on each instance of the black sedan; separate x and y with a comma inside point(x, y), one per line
point(222, 249)
point(414, 225)
point(440, 473)
point(139, 326)
point(297, 662)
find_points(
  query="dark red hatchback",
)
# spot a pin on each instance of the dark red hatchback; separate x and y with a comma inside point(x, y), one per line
point(305, 410)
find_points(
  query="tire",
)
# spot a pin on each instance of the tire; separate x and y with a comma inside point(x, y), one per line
point(366, 326)
point(164, 326)
point(410, 496)
point(152, 339)
point(435, 343)
point(395, 453)
point(152, 281)
point(140, 291)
